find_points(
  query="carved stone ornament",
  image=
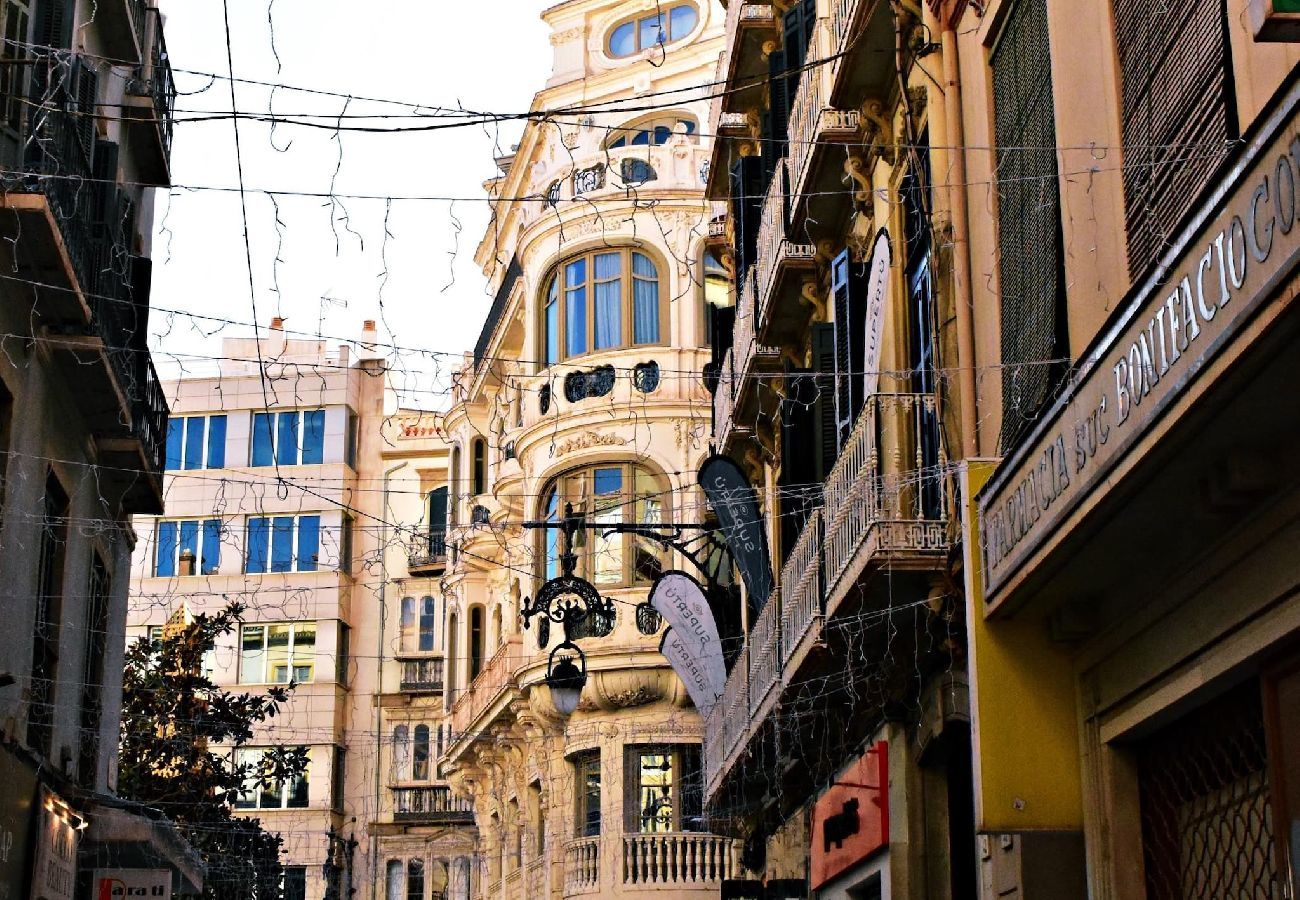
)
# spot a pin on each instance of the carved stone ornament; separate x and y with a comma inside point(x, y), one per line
point(565, 36)
point(587, 440)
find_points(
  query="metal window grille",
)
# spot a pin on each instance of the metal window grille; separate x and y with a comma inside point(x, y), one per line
point(1178, 113)
point(1207, 826)
point(1029, 227)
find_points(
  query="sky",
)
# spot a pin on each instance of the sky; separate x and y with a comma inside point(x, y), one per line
point(325, 266)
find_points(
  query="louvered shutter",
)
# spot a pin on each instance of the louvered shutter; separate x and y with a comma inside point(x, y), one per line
point(53, 24)
point(1177, 113)
point(1029, 226)
point(746, 208)
point(848, 289)
point(776, 121)
point(826, 437)
point(86, 94)
point(799, 463)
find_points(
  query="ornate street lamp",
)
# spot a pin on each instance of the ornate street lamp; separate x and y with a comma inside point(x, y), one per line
point(567, 600)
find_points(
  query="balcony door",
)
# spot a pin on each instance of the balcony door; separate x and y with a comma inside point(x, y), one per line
point(922, 325)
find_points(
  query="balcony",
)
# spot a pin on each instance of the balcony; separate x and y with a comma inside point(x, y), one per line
point(784, 265)
point(150, 102)
point(433, 804)
point(421, 675)
point(472, 707)
point(680, 863)
point(885, 508)
point(816, 128)
point(122, 29)
point(426, 553)
point(750, 23)
point(724, 399)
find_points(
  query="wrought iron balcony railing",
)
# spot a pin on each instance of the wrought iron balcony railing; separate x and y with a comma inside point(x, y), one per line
point(431, 803)
point(427, 551)
point(422, 674)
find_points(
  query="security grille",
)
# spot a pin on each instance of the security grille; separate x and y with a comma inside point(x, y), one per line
point(1029, 230)
point(1177, 113)
point(1207, 827)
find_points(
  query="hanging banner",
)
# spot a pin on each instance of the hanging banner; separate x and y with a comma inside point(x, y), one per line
point(877, 284)
point(735, 503)
point(691, 642)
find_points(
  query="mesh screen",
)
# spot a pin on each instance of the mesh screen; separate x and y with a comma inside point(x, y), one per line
point(1176, 113)
point(1207, 828)
point(1029, 235)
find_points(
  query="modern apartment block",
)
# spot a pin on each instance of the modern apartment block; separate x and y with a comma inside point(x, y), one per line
point(582, 392)
point(292, 490)
point(85, 123)
point(1013, 286)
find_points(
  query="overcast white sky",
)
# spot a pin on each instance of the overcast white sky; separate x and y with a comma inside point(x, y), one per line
point(486, 54)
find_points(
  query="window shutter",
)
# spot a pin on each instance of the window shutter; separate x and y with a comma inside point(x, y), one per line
point(1178, 113)
point(53, 24)
point(87, 96)
point(827, 441)
point(849, 293)
point(747, 207)
point(780, 99)
point(1029, 227)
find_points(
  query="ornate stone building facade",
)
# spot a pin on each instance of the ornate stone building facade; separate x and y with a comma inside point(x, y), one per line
point(584, 390)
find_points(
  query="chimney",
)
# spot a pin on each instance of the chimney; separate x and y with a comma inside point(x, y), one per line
point(277, 324)
point(368, 351)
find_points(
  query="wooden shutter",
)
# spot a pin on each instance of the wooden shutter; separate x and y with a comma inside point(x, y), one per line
point(827, 443)
point(799, 481)
point(848, 289)
point(1029, 222)
point(746, 208)
point(53, 24)
point(1178, 113)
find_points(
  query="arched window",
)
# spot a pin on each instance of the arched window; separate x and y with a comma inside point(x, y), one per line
point(438, 521)
point(406, 630)
point(602, 300)
point(497, 636)
point(668, 24)
point(420, 754)
point(428, 611)
point(401, 753)
point(478, 449)
point(393, 880)
point(454, 514)
point(652, 131)
point(475, 641)
point(607, 494)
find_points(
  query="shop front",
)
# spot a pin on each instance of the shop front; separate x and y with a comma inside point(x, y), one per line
point(1133, 569)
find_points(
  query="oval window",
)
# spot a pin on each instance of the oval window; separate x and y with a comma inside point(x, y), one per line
point(653, 30)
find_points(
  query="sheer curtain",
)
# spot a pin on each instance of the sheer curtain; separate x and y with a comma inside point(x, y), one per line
point(645, 300)
point(608, 300)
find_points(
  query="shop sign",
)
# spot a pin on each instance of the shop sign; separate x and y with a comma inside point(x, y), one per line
point(17, 795)
point(120, 884)
point(850, 822)
point(1232, 258)
point(54, 876)
point(691, 642)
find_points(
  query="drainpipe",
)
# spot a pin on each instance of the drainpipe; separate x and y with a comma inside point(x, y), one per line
point(379, 671)
point(965, 298)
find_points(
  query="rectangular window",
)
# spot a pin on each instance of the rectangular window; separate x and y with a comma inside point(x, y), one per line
point(587, 771)
point(1178, 113)
point(282, 544)
point(1031, 260)
point(187, 547)
point(295, 437)
point(341, 657)
point(6, 430)
point(92, 682)
point(267, 793)
point(277, 654)
point(196, 442)
point(663, 786)
point(353, 440)
point(345, 545)
point(49, 612)
point(575, 308)
point(553, 324)
point(337, 779)
point(209, 664)
point(295, 883)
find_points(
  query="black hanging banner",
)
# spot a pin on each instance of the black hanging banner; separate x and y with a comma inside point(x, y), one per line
point(735, 503)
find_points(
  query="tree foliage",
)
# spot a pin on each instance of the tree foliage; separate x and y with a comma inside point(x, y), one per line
point(179, 731)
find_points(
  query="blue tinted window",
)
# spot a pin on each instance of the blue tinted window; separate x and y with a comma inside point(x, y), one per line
point(216, 442)
point(308, 542)
point(165, 561)
point(427, 617)
point(681, 20)
point(190, 543)
point(662, 133)
point(621, 142)
point(194, 426)
point(262, 442)
point(575, 281)
point(553, 324)
point(622, 40)
point(175, 432)
point(286, 440)
point(282, 544)
point(313, 436)
point(258, 534)
point(211, 545)
point(640, 138)
point(652, 31)
point(608, 481)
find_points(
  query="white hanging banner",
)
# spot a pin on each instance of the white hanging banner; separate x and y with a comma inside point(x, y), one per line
point(691, 642)
point(877, 285)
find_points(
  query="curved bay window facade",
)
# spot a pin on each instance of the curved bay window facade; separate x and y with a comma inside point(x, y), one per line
point(607, 494)
point(603, 300)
